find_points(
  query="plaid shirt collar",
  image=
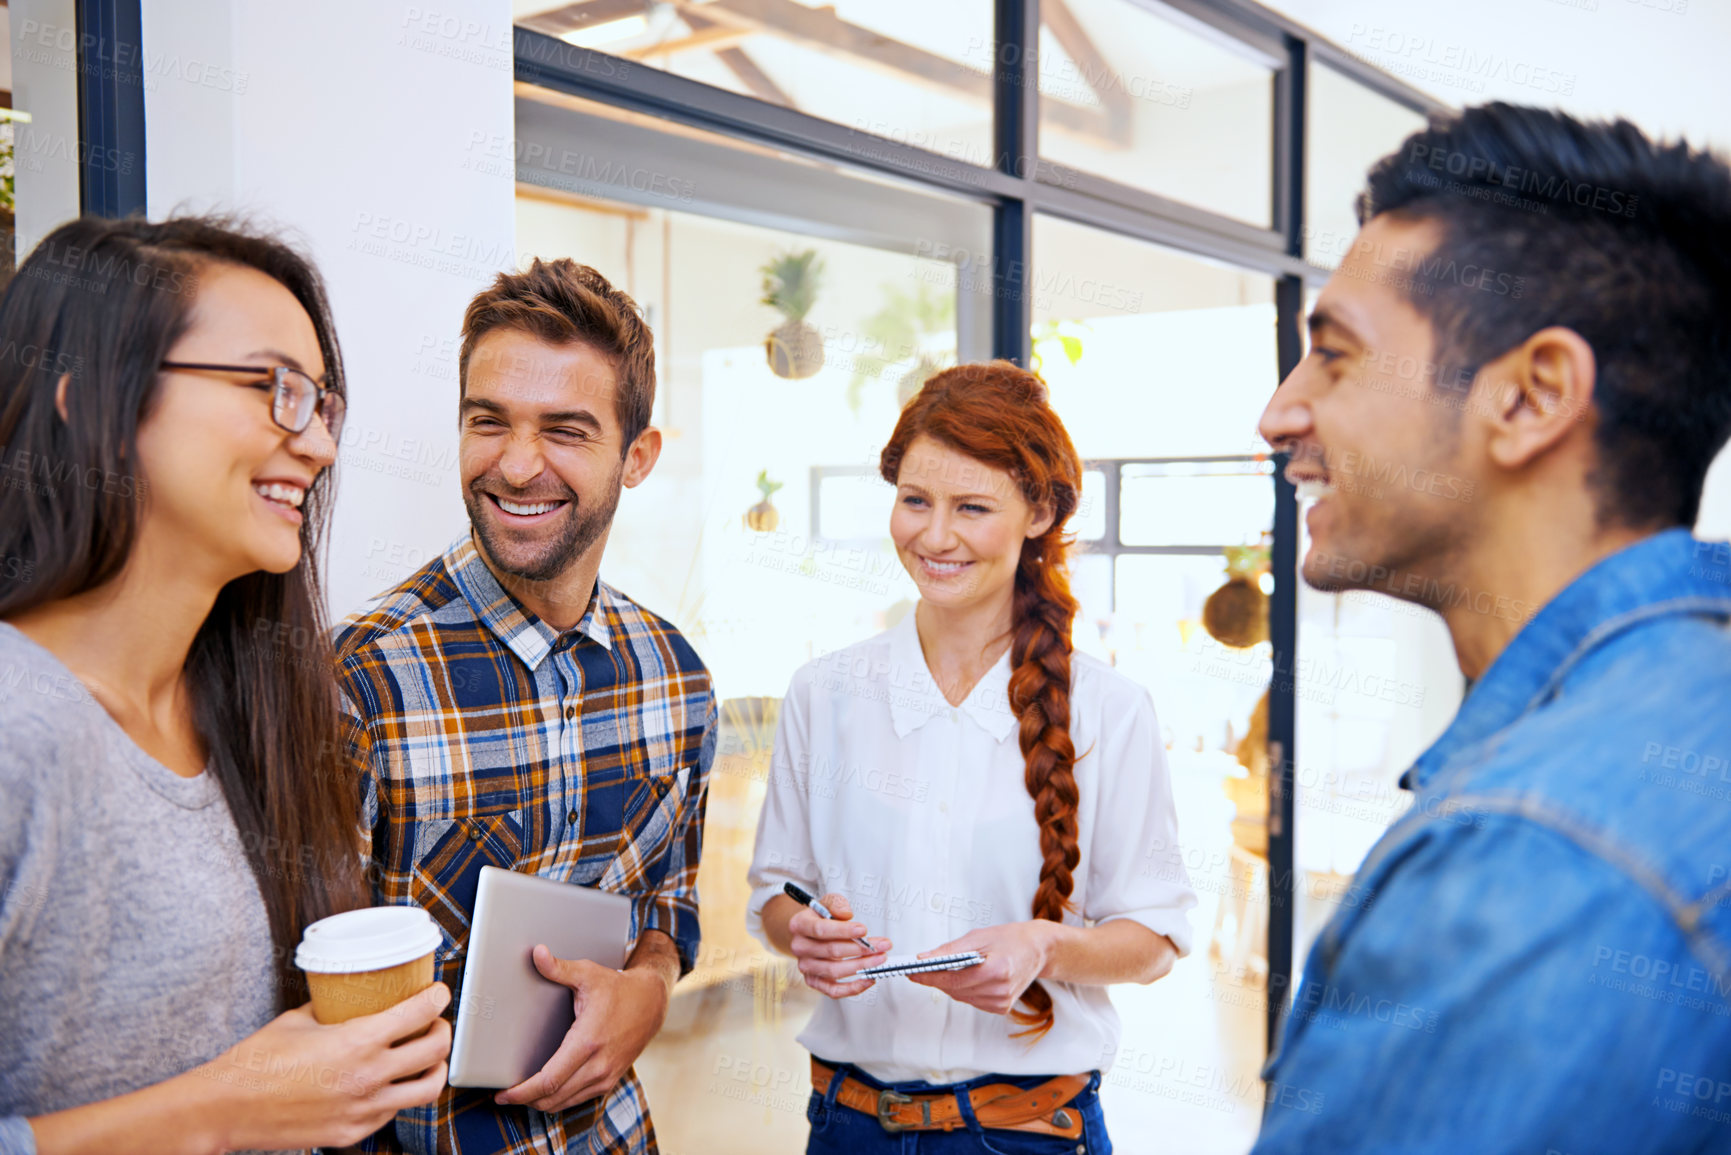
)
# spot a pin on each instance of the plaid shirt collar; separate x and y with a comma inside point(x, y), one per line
point(524, 634)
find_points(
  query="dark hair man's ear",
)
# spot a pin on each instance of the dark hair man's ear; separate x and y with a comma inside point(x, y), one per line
point(1539, 391)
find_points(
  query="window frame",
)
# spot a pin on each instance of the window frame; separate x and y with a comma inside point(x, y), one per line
point(1021, 185)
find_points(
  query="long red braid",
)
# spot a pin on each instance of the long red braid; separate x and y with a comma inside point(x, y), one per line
point(998, 414)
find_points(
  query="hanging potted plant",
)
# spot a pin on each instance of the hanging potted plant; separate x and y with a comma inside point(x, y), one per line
point(1236, 614)
point(764, 517)
point(790, 287)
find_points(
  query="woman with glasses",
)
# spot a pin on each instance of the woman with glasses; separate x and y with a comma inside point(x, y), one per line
point(962, 783)
point(173, 811)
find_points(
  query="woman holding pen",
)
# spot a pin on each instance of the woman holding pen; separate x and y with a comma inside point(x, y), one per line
point(964, 782)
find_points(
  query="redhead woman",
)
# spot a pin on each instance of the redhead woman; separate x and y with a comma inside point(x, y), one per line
point(965, 782)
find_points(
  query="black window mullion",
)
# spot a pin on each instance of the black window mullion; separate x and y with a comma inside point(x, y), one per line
point(1282, 690)
point(1290, 117)
point(1016, 135)
point(1290, 86)
point(110, 106)
point(552, 63)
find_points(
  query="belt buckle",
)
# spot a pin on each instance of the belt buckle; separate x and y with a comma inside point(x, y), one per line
point(888, 1101)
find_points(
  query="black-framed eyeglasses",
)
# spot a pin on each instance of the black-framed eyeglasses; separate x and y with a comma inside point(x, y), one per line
point(294, 396)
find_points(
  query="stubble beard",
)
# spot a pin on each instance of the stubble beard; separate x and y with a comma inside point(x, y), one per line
point(584, 524)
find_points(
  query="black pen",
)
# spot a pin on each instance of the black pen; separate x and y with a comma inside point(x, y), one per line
point(805, 899)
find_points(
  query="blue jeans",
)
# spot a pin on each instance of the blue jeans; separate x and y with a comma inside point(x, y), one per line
point(839, 1130)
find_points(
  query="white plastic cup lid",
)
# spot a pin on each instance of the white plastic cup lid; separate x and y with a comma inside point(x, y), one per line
point(367, 940)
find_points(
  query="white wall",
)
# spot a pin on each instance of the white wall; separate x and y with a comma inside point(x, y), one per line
point(358, 127)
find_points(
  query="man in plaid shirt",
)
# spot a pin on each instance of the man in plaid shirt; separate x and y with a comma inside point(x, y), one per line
point(504, 707)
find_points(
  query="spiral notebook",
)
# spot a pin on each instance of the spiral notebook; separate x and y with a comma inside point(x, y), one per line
point(910, 965)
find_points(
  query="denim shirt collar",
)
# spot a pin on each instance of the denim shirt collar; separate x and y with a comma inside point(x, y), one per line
point(1668, 573)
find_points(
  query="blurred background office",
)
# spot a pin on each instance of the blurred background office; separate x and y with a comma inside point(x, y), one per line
point(816, 205)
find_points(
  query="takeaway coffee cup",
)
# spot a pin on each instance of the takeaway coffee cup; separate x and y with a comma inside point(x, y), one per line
point(364, 961)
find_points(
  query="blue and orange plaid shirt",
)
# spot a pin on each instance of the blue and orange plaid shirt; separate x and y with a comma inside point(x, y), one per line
point(485, 738)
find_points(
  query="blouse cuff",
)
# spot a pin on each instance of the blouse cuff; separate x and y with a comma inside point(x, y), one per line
point(772, 886)
point(1174, 924)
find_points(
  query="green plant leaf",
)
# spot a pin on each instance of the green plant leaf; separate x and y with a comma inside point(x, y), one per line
point(791, 282)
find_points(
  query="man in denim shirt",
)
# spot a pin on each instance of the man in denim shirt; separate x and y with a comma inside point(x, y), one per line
point(1516, 382)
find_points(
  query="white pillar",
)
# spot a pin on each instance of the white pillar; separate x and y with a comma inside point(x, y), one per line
point(42, 52)
point(354, 127)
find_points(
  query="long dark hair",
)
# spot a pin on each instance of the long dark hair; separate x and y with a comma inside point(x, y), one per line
point(100, 303)
point(998, 414)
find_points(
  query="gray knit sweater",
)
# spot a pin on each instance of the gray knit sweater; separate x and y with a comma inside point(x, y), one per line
point(134, 944)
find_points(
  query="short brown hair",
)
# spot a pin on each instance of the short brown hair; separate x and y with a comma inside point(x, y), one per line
point(561, 302)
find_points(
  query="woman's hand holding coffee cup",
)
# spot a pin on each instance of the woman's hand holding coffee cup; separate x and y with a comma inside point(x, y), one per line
point(371, 1042)
point(298, 1083)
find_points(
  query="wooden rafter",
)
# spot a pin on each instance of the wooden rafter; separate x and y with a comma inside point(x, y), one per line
point(719, 25)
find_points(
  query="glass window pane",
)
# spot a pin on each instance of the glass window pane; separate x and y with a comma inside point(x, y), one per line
point(1157, 102)
point(1089, 520)
point(742, 574)
point(1349, 129)
point(1196, 503)
point(757, 594)
point(854, 507)
point(916, 72)
point(1150, 352)
point(1208, 1013)
point(1377, 681)
point(1091, 582)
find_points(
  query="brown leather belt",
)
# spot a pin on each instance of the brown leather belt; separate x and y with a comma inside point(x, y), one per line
point(999, 1106)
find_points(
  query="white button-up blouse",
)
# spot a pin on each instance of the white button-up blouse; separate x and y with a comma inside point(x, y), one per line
point(917, 811)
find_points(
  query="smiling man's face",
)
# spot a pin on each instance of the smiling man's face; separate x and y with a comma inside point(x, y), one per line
point(541, 452)
point(1383, 456)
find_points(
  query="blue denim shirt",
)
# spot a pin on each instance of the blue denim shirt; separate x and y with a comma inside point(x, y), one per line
point(1536, 957)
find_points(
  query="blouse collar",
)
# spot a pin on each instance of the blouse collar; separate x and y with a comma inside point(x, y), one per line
point(915, 698)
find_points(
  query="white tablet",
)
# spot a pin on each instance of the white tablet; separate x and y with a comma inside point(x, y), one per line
point(510, 1020)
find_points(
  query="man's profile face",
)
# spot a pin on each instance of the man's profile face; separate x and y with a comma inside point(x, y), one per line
point(541, 451)
point(1373, 439)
